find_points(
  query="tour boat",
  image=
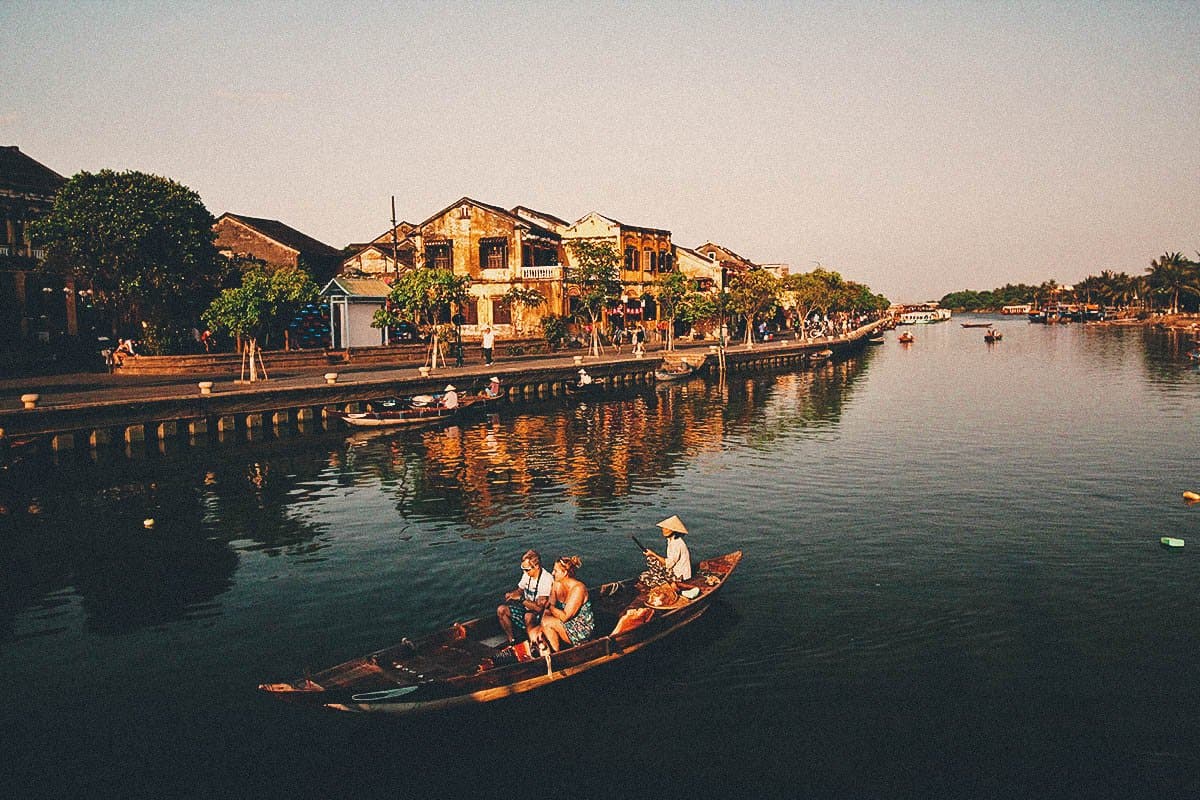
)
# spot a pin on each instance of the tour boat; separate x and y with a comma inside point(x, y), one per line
point(472, 662)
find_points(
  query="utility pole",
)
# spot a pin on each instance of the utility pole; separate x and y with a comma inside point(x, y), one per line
point(395, 243)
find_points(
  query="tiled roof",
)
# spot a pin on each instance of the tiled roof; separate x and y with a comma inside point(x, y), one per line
point(20, 173)
point(357, 287)
point(285, 235)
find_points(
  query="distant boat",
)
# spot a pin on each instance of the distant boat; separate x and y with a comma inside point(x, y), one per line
point(977, 324)
point(1169, 541)
point(906, 338)
point(877, 338)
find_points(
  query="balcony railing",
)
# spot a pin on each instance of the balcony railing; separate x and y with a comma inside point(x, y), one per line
point(548, 273)
point(20, 250)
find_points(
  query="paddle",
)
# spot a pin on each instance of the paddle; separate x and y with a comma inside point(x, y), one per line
point(639, 544)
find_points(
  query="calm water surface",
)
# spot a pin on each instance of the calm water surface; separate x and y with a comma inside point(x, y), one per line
point(952, 587)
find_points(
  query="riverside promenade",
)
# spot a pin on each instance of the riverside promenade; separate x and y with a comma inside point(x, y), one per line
point(92, 409)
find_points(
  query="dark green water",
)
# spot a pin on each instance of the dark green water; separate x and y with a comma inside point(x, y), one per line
point(952, 587)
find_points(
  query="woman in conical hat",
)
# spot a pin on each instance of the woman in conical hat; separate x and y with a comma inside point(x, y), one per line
point(677, 564)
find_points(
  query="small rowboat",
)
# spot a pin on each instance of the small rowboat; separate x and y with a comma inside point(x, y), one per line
point(470, 662)
point(582, 389)
point(673, 373)
point(977, 324)
point(819, 357)
point(877, 338)
point(1168, 541)
point(906, 338)
point(415, 416)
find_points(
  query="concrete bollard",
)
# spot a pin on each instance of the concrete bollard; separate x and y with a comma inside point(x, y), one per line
point(30, 400)
point(205, 387)
point(331, 378)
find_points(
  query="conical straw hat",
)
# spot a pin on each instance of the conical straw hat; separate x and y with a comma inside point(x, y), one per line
point(673, 524)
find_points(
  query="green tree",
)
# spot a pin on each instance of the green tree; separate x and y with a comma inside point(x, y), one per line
point(1171, 275)
point(424, 297)
point(672, 290)
point(142, 242)
point(594, 275)
point(554, 328)
point(521, 300)
point(806, 291)
point(753, 293)
point(263, 305)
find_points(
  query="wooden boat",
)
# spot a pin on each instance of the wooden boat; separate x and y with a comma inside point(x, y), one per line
point(673, 373)
point(469, 662)
point(412, 416)
point(977, 324)
point(906, 338)
point(583, 389)
point(877, 338)
point(1191, 497)
point(819, 357)
point(993, 336)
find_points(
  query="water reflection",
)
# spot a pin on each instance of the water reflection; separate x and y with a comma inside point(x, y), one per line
point(73, 528)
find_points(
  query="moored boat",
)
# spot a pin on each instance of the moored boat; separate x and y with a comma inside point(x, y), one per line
point(977, 324)
point(470, 662)
point(412, 416)
point(876, 338)
point(673, 372)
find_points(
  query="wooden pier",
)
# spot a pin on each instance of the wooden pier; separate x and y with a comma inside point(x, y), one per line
point(188, 412)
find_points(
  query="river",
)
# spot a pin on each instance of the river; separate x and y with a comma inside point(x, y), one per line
point(952, 587)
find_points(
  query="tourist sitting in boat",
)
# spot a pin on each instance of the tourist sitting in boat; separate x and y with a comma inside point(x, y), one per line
point(522, 608)
point(450, 398)
point(676, 565)
point(493, 389)
point(584, 378)
point(568, 619)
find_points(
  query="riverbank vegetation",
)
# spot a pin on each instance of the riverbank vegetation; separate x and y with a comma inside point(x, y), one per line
point(1171, 284)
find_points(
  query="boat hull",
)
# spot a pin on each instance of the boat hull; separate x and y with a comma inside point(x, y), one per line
point(446, 669)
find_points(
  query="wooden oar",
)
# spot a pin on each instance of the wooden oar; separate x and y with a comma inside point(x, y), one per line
point(639, 544)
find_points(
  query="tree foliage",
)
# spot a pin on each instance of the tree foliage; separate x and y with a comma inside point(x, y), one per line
point(672, 289)
point(753, 293)
point(263, 305)
point(594, 275)
point(521, 299)
point(143, 243)
point(423, 297)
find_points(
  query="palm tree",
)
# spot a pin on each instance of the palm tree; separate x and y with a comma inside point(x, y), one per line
point(1173, 274)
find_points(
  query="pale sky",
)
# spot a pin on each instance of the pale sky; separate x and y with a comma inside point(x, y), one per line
point(918, 147)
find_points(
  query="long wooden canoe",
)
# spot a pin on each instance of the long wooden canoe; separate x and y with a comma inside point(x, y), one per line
point(454, 666)
point(411, 417)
